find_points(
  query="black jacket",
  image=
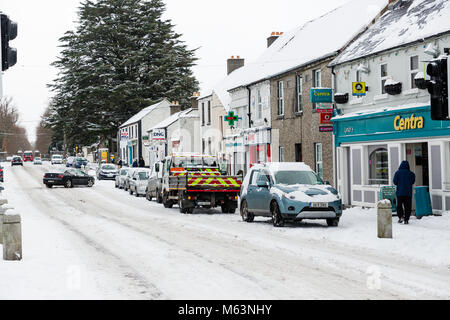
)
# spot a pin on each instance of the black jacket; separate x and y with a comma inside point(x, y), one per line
point(404, 180)
point(141, 163)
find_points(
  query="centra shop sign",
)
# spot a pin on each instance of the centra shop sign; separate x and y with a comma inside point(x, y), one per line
point(411, 123)
point(321, 95)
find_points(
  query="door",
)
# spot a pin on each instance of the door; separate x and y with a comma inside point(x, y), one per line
point(417, 156)
point(252, 191)
point(262, 194)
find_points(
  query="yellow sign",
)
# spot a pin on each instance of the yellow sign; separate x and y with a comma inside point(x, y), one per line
point(412, 123)
point(359, 88)
point(104, 155)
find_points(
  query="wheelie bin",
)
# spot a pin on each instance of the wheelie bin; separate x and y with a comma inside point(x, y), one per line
point(422, 201)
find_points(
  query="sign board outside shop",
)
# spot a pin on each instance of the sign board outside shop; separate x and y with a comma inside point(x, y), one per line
point(159, 134)
point(359, 88)
point(326, 128)
point(325, 118)
point(324, 107)
point(321, 95)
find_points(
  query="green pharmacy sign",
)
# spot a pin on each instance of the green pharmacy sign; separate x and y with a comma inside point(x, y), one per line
point(231, 118)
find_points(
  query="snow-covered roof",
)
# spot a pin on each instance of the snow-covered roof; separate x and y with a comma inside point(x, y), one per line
point(168, 121)
point(379, 110)
point(404, 22)
point(315, 40)
point(141, 114)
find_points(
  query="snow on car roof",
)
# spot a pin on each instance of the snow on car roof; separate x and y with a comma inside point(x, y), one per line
point(288, 166)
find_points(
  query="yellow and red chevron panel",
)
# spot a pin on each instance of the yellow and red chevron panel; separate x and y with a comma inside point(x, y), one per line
point(214, 181)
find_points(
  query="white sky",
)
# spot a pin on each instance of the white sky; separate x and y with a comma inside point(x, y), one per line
point(220, 29)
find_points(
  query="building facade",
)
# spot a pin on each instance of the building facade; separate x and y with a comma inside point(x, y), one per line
point(392, 122)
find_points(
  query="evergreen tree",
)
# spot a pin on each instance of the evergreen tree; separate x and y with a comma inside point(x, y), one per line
point(121, 58)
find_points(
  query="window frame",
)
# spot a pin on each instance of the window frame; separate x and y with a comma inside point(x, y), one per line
point(280, 98)
point(412, 84)
point(281, 154)
point(209, 113)
point(299, 89)
point(259, 104)
point(383, 78)
point(203, 113)
point(315, 73)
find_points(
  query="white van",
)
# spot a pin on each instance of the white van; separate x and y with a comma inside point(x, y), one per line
point(57, 159)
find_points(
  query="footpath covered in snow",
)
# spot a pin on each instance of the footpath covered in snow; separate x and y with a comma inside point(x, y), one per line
point(102, 243)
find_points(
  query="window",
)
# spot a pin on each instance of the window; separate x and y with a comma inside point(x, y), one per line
point(209, 146)
point(254, 177)
point(209, 112)
point(298, 152)
point(203, 146)
point(317, 75)
point(203, 113)
point(319, 164)
point(413, 69)
point(280, 98)
point(281, 153)
point(299, 106)
point(259, 104)
point(378, 167)
point(383, 76)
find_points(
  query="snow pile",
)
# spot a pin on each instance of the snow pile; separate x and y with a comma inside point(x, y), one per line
point(301, 194)
point(405, 22)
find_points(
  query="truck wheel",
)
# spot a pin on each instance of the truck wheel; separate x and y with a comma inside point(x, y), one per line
point(148, 196)
point(232, 210)
point(130, 191)
point(225, 209)
point(180, 205)
point(246, 216)
point(190, 210)
point(166, 202)
point(158, 196)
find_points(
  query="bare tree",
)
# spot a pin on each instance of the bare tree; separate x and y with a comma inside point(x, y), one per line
point(12, 136)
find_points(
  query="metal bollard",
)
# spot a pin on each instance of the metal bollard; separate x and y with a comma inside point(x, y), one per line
point(3, 209)
point(12, 236)
point(384, 217)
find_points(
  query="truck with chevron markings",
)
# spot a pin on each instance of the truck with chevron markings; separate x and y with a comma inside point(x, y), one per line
point(195, 180)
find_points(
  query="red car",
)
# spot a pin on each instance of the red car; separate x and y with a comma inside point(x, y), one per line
point(28, 156)
point(1, 174)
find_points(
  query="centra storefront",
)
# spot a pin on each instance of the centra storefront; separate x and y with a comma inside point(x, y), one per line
point(369, 147)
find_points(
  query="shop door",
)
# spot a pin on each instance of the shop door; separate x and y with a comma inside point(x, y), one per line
point(417, 156)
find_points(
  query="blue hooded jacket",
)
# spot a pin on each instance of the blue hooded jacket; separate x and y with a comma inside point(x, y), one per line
point(404, 180)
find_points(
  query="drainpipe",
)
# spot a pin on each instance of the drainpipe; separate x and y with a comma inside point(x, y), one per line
point(249, 107)
point(333, 86)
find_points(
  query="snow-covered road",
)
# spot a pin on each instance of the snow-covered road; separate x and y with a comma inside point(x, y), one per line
point(102, 243)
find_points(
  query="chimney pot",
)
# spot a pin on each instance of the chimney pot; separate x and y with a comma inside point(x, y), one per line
point(233, 64)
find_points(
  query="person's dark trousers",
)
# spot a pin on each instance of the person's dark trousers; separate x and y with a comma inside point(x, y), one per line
point(404, 207)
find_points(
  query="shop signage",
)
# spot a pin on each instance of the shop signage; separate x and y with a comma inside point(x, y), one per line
point(326, 128)
point(159, 135)
point(124, 135)
point(324, 107)
point(321, 95)
point(412, 123)
point(325, 118)
point(359, 88)
point(231, 118)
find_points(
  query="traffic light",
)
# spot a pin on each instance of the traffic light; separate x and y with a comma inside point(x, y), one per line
point(8, 32)
point(438, 88)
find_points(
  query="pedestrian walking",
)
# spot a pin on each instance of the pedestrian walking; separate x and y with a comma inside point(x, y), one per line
point(120, 163)
point(141, 162)
point(404, 179)
point(135, 164)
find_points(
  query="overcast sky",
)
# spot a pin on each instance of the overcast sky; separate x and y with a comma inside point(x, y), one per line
point(220, 29)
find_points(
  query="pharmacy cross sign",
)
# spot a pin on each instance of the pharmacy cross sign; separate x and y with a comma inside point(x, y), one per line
point(231, 118)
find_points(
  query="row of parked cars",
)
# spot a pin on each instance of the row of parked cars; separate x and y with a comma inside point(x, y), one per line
point(282, 191)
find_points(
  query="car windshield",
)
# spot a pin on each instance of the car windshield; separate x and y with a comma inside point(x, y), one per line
point(81, 159)
point(57, 157)
point(194, 162)
point(297, 177)
point(108, 167)
point(123, 172)
point(143, 175)
point(37, 158)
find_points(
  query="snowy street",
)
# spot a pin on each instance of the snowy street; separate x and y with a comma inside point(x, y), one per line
point(102, 243)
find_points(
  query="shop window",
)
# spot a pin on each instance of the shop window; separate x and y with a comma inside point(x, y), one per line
point(413, 70)
point(378, 167)
point(299, 105)
point(280, 98)
point(318, 157)
point(383, 76)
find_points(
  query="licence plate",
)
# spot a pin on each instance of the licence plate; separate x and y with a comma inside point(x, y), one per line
point(50, 181)
point(204, 203)
point(319, 205)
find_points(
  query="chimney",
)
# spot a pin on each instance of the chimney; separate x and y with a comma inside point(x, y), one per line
point(194, 100)
point(234, 63)
point(273, 36)
point(175, 107)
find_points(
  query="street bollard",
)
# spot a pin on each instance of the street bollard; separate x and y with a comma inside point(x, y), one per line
point(384, 216)
point(12, 236)
point(3, 209)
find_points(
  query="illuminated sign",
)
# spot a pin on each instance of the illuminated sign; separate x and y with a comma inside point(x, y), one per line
point(231, 118)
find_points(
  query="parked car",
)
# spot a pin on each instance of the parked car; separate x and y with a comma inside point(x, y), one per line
point(16, 161)
point(1, 174)
point(154, 183)
point(288, 192)
point(69, 161)
point(37, 160)
point(120, 178)
point(79, 162)
point(138, 182)
point(69, 178)
point(107, 171)
point(57, 159)
point(9, 158)
point(126, 183)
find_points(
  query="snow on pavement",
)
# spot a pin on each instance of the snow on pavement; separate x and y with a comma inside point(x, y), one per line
point(101, 243)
